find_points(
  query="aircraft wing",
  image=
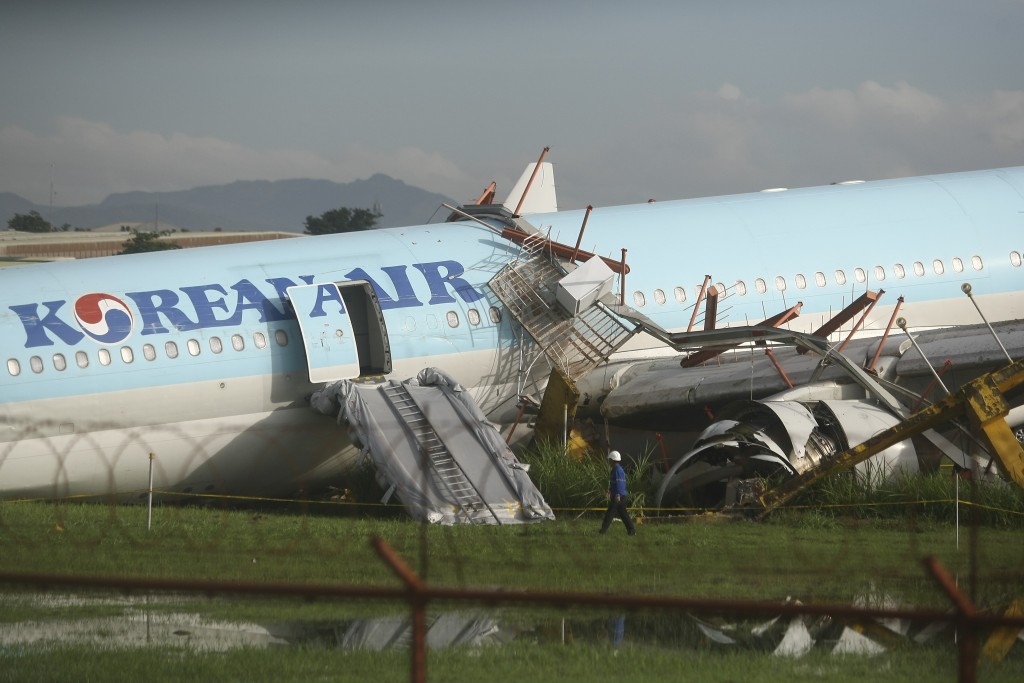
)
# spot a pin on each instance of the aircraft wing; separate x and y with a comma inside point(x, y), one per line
point(654, 387)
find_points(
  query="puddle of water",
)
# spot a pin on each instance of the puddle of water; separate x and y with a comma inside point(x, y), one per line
point(137, 626)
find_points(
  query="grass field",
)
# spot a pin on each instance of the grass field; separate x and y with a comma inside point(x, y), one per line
point(809, 556)
point(516, 662)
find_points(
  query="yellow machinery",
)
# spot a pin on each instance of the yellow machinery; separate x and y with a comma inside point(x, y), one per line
point(980, 401)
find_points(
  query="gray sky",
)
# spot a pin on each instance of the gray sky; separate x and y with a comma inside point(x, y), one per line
point(636, 99)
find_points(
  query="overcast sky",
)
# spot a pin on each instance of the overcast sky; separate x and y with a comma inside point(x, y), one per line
point(636, 99)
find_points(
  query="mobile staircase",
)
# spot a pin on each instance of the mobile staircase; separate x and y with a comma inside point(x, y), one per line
point(575, 343)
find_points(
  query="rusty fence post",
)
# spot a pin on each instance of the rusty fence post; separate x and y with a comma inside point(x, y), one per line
point(418, 603)
point(965, 620)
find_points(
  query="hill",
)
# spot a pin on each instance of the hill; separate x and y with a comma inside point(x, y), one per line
point(252, 205)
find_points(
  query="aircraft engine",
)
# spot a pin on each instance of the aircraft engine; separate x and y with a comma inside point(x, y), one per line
point(760, 443)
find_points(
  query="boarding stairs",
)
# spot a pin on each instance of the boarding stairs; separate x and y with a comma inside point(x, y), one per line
point(575, 344)
point(444, 471)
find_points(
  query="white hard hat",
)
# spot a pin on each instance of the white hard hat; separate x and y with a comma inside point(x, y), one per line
point(614, 456)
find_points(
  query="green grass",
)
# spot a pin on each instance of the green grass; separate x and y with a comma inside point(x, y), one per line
point(577, 484)
point(922, 497)
point(812, 556)
point(513, 662)
point(795, 554)
point(816, 555)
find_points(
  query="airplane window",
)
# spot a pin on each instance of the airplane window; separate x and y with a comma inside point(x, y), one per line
point(958, 265)
point(216, 345)
point(741, 287)
point(879, 273)
point(453, 318)
point(819, 279)
point(36, 363)
point(127, 355)
point(760, 285)
point(260, 340)
point(13, 367)
point(840, 277)
point(82, 358)
point(59, 362)
point(639, 299)
point(104, 356)
point(171, 349)
point(237, 343)
point(1015, 259)
point(780, 283)
point(148, 352)
point(680, 294)
point(859, 275)
point(938, 267)
point(899, 271)
point(494, 314)
point(801, 281)
point(193, 347)
point(281, 337)
point(976, 263)
point(659, 296)
point(474, 316)
point(918, 269)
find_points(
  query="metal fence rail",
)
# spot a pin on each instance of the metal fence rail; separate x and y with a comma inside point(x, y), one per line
point(418, 594)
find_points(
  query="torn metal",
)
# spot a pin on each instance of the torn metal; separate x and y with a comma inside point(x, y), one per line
point(754, 445)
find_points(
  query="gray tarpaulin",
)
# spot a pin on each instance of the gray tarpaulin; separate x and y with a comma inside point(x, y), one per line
point(506, 494)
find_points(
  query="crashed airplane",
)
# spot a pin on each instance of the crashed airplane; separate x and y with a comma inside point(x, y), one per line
point(205, 358)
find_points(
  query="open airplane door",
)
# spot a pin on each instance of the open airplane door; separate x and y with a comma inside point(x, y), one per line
point(343, 330)
point(327, 334)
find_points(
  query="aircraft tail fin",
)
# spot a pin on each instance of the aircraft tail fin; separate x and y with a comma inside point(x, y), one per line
point(541, 195)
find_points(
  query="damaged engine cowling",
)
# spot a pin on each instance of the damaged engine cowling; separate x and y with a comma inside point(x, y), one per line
point(759, 444)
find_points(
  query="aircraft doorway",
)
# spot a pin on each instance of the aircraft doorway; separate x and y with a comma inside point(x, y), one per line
point(371, 334)
point(343, 330)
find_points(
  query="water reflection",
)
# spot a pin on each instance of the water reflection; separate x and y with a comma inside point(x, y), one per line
point(617, 629)
point(152, 621)
point(446, 629)
point(782, 636)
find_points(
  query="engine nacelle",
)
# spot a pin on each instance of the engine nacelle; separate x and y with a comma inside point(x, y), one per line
point(761, 443)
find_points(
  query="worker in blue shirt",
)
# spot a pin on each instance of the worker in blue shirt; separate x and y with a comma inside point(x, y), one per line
point(617, 496)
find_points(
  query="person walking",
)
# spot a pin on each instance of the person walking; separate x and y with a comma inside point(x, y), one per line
point(617, 496)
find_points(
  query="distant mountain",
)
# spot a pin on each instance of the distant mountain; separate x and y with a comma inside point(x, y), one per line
point(11, 204)
point(244, 205)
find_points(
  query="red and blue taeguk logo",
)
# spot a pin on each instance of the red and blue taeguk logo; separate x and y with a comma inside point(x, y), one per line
point(104, 317)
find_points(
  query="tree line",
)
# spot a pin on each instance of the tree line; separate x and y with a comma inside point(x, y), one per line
point(33, 222)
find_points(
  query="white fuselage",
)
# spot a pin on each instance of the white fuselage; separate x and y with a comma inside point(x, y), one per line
point(196, 356)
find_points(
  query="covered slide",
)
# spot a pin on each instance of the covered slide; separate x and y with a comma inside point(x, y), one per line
point(433, 447)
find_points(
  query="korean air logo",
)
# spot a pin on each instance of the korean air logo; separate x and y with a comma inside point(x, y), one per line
point(105, 318)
